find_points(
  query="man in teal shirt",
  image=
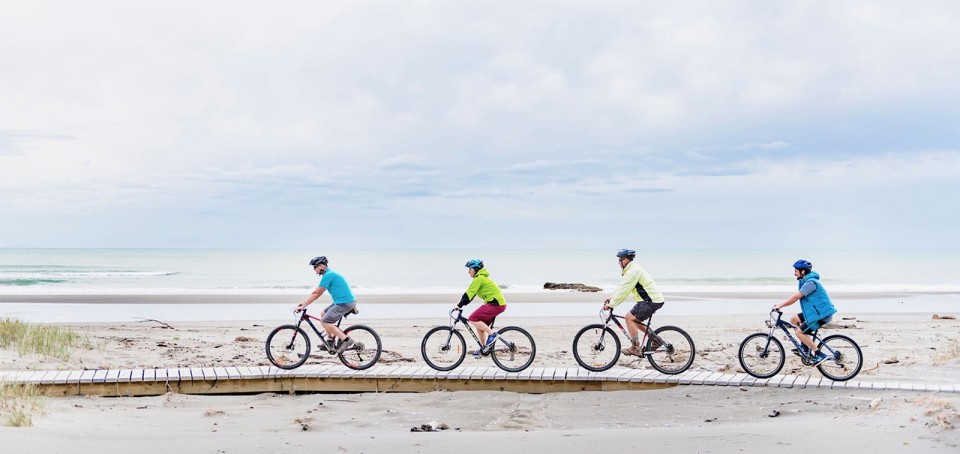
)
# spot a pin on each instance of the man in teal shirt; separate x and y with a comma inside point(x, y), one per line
point(343, 300)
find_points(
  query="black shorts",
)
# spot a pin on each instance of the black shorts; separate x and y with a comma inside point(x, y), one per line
point(644, 310)
point(811, 327)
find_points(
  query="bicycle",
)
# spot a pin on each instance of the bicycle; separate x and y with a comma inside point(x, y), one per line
point(288, 346)
point(669, 349)
point(444, 348)
point(761, 354)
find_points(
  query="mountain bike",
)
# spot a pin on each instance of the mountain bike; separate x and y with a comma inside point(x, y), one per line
point(288, 346)
point(761, 354)
point(669, 349)
point(444, 348)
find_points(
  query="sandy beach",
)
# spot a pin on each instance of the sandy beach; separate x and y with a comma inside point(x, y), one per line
point(902, 347)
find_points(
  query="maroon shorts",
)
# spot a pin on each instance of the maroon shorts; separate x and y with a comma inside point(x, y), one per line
point(487, 313)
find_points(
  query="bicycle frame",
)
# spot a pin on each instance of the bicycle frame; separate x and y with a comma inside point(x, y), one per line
point(607, 316)
point(466, 323)
point(785, 326)
point(304, 317)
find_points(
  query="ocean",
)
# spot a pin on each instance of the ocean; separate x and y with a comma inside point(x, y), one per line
point(934, 275)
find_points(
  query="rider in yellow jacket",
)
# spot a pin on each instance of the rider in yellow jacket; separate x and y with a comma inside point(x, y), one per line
point(641, 286)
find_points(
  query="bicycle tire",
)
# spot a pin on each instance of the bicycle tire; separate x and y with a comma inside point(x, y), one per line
point(443, 348)
point(761, 349)
point(279, 348)
point(514, 349)
point(366, 349)
point(677, 353)
point(591, 349)
point(847, 357)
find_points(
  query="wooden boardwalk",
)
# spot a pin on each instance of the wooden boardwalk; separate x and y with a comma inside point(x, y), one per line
point(337, 378)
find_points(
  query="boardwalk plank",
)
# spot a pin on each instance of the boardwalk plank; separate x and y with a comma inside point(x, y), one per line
point(61, 377)
point(74, 376)
point(712, 378)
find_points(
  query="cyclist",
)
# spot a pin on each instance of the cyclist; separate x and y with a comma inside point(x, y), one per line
point(637, 282)
point(343, 300)
point(493, 303)
point(816, 309)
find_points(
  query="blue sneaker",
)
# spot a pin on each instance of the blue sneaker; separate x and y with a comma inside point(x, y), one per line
point(490, 341)
point(819, 358)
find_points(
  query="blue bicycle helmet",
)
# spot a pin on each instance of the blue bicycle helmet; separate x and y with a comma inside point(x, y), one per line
point(626, 254)
point(803, 265)
point(475, 263)
point(319, 260)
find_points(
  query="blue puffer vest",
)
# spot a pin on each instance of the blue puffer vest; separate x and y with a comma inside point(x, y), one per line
point(817, 305)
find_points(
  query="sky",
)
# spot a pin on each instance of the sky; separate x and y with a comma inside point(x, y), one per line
point(526, 124)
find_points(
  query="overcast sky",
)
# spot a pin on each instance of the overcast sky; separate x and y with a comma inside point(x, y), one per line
point(664, 125)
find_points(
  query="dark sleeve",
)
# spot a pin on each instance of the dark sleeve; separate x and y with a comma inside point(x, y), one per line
point(464, 300)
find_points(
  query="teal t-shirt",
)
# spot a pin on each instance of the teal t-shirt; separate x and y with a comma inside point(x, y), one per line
point(337, 286)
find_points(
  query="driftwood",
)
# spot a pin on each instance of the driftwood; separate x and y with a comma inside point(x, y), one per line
point(163, 325)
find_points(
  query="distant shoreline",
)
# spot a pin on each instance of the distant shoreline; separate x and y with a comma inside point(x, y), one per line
point(539, 297)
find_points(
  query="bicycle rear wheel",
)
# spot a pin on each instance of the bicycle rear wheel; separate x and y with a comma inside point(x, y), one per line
point(288, 347)
point(443, 348)
point(676, 353)
point(596, 347)
point(761, 355)
point(514, 349)
point(366, 348)
point(845, 358)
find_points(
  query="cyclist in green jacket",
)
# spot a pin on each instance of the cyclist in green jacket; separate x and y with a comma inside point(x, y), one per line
point(640, 285)
point(493, 302)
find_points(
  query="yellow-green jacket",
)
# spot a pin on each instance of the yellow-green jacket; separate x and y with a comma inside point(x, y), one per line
point(636, 281)
point(485, 288)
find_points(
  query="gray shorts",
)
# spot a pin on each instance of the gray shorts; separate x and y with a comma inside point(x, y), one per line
point(334, 312)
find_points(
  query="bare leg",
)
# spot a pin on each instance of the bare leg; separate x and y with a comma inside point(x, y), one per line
point(803, 338)
point(332, 329)
point(483, 331)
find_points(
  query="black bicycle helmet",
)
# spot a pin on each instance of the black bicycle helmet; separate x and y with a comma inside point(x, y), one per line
point(626, 254)
point(317, 261)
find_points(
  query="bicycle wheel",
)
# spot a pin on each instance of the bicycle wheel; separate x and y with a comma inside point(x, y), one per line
point(596, 347)
point(675, 355)
point(443, 348)
point(845, 360)
point(761, 355)
point(288, 347)
point(513, 349)
point(365, 350)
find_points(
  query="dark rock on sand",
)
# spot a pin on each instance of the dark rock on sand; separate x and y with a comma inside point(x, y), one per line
point(577, 287)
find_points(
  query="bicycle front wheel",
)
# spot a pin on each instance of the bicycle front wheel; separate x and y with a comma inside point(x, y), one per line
point(675, 353)
point(844, 358)
point(596, 347)
point(288, 347)
point(761, 355)
point(443, 348)
point(513, 349)
point(366, 348)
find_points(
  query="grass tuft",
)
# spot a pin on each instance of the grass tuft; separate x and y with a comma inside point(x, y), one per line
point(19, 402)
point(43, 340)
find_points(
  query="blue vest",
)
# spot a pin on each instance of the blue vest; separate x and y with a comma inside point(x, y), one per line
point(815, 306)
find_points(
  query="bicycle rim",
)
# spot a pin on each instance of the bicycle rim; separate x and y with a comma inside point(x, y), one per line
point(596, 348)
point(761, 355)
point(443, 348)
point(845, 358)
point(677, 352)
point(513, 349)
point(366, 348)
point(288, 347)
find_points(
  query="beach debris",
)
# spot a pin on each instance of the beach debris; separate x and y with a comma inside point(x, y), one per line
point(944, 317)
point(710, 420)
point(304, 422)
point(571, 286)
point(163, 325)
point(214, 413)
point(893, 360)
point(876, 402)
point(774, 414)
point(244, 339)
point(432, 426)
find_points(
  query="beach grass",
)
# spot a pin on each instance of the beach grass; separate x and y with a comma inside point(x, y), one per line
point(43, 340)
point(19, 402)
point(950, 352)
